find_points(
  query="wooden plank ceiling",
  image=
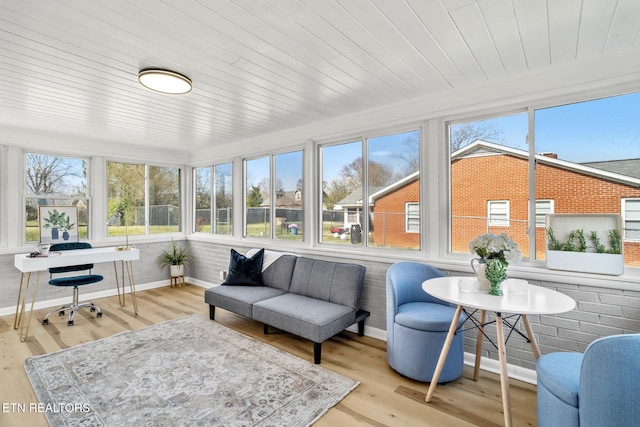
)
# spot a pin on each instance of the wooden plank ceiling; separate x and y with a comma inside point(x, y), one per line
point(259, 67)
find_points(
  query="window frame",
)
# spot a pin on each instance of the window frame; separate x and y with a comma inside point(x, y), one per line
point(147, 166)
point(409, 215)
point(274, 225)
point(623, 210)
point(88, 199)
point(498, 222)
point(551, 211)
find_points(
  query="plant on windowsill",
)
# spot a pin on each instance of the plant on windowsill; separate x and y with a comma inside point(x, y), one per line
point(571, 248)
point(175, 258)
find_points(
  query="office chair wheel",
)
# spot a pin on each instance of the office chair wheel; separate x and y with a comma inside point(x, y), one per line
point(99, 315)
point(70, 323)
point(61, 313)
point(45, 321)
point(92, 309)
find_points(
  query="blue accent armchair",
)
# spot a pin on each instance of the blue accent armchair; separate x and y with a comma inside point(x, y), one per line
point(417, 325)
point(597, 388)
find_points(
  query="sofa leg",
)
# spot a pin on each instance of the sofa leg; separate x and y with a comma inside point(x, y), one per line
point(317, 352)
point(361, 328)
point(212, 312)
point(361, 315)
point(266, 329)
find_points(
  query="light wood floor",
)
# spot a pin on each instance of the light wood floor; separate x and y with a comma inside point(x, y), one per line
point(383, 397)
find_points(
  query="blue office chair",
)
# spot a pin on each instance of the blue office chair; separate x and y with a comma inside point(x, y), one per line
point(597, 388)
point(75, 281)
point(418, 324)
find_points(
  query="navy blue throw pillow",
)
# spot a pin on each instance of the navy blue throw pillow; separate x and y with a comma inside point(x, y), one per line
point(245, 271)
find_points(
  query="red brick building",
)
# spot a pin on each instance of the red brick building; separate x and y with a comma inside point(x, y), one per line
point(486, 176)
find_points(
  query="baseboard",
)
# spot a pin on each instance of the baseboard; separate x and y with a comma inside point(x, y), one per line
point(491, 365)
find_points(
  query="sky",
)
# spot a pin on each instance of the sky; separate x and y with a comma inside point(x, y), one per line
point(603, 129)
point(597, 130)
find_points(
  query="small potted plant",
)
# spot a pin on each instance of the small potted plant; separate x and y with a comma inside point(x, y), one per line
point(175, 258)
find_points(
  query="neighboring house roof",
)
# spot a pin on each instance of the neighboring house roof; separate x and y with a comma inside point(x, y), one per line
point(484, 148)
point(285, 199)
point(629, 167)
point(354, 199)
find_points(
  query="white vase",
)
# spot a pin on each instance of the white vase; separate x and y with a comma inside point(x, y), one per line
point(479, 267)
point(176, 270)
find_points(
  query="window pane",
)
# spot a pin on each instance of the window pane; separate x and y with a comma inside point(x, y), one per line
point(223, 177)
point(55, 181)
point(164, 200)
point(341, 192)
point(394, 180)
point(125, 187)
point(202, 189)
point(413, 218)
point(489, 170)
point(590, 159)
point(288, 191)
point(632, 219)
point(258, 182)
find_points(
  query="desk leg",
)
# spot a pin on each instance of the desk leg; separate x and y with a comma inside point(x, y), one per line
point(504, 375)
point(532, 338)
point(18, 319)
point(132, 286)
point(479, 339)
point(120, 294)
point(20, 323)
point(126, 267)
point(443, 354)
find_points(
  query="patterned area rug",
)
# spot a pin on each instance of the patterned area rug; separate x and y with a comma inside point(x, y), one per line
point(185, 372)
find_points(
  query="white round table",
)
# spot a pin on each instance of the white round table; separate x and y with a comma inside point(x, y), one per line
point(533, 300)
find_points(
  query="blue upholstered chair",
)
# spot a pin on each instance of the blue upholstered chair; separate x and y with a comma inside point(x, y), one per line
point(73, 281)
point(597, 388)
point(417, 325)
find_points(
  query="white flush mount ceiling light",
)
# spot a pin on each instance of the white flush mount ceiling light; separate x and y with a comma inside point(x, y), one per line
point(164, 81)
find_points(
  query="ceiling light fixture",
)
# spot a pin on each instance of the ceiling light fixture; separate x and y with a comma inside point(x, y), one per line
point(164, 81)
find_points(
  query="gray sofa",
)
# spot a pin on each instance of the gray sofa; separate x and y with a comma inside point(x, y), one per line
point(310, 298)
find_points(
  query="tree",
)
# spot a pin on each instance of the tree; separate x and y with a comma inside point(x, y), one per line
point(350, 180)
point(465, 133)
point(254, 198)
point(410, 154)
point(378, 173)
point(126, 191)
point(48, 174)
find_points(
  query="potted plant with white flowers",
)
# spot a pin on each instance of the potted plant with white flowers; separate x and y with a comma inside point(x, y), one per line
point(498, 249)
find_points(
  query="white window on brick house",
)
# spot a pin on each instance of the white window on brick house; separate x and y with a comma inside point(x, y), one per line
point(631, 218)
point(543, 208)
point(412, 222)
point(498, 213)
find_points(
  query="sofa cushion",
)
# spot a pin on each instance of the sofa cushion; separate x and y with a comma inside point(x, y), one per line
point(239, 299)
point(560, 374)
point(307, 317)
point(245, 271)
point(334, 282)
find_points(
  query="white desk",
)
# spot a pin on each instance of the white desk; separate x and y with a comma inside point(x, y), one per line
point(28, 265)
point(535, 300)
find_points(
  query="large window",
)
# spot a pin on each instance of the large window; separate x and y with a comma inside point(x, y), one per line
point(273, 196)
point(55, 181)
point(371, 191)
point(586, 160)
point(489, 180)
point(143, 199)
point(214, 208)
